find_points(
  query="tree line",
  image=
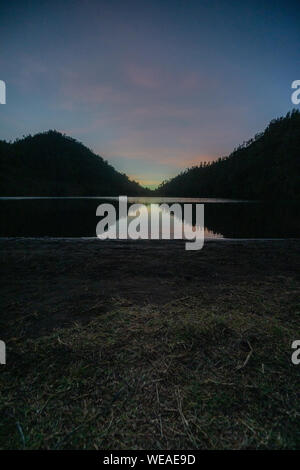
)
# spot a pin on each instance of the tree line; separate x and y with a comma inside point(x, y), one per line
point(265, 167)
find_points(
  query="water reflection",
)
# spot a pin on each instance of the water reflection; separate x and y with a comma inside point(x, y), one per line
point(76, 217)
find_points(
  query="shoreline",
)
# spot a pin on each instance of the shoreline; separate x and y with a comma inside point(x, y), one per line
point(91, 239)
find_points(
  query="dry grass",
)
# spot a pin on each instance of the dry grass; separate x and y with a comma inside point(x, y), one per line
point(177, 377)
point(200, 372)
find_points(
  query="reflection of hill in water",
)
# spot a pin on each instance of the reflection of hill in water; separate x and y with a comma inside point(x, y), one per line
point(254, 220)
point(77, 218)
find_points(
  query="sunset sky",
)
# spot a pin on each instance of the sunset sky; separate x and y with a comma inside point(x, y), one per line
point(152, 86)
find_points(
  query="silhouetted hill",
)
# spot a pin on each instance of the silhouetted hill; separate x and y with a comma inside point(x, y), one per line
point(52, 164)
point(265, 167)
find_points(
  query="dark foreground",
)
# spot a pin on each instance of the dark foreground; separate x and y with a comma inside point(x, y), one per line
point(143, 345)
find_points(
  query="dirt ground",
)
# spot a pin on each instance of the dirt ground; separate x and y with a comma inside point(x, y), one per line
point(143, 345)
point(72, 280)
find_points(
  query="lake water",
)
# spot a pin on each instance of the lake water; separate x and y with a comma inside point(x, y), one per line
point(76, 216)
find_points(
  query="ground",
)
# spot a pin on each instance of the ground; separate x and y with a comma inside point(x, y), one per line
point(143, 345)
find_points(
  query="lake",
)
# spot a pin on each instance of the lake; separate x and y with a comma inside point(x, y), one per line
point(76, 216)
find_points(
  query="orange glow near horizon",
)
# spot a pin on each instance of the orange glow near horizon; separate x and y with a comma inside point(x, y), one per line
point(153, 183)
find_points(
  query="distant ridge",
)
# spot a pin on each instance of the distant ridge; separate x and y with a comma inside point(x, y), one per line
point(53, 164)
point(265, 167)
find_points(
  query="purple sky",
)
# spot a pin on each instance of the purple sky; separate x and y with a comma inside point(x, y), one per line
point(152, 86)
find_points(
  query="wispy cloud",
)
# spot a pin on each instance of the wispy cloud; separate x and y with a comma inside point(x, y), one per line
point(144, 77)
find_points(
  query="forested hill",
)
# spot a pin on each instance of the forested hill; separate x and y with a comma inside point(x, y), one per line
point(52, 164)
point(265, 167)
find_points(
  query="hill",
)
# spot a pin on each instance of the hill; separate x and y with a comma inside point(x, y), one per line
point(265, 167)
point(53, 164)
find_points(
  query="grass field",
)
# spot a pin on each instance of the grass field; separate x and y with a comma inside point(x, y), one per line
point(144, 346)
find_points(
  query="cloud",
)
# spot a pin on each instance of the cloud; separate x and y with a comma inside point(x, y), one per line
point(144, 77)
point(77, 90)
